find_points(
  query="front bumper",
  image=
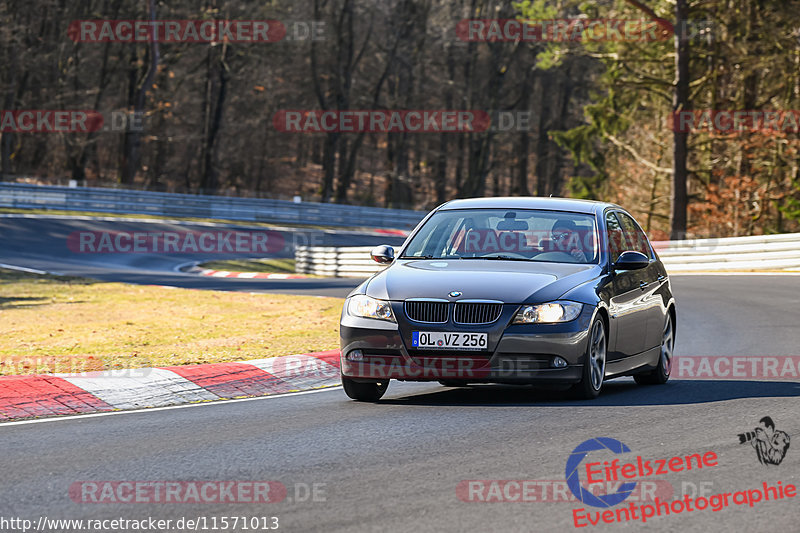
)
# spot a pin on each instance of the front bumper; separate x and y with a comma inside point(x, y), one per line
point(516, 353)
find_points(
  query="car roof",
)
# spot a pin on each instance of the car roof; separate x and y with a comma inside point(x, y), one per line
point(529, 202)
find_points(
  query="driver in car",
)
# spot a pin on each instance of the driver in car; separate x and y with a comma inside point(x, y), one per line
point(566, 238)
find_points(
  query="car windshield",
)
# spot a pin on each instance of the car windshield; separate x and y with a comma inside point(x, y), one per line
point(507, 234)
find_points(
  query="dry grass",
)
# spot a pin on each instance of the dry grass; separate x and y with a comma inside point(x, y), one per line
point(73, 325)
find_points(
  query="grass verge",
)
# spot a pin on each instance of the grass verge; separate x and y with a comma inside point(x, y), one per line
point(62, 324)
point(276, 266)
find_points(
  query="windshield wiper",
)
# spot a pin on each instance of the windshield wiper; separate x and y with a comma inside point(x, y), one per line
point(498, 257)
point(444, 257)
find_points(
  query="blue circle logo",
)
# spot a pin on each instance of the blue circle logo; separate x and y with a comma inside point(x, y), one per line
point(574, 481)
point(455, 294)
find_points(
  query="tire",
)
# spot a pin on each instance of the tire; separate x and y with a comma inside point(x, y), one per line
point(661, 373)
point(594, 368)
point(364, 392)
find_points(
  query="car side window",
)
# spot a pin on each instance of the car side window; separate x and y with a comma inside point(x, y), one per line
point(616, 242)
point(634, 236)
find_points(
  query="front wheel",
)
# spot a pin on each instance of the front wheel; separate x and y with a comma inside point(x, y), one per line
point(594, 368)
point(660, 374)
point(364, 392)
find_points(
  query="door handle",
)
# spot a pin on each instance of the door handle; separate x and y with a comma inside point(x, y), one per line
point(643, 285)
point(661, 277)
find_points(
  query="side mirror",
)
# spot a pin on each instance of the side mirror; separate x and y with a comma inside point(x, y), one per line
point(383, 254)
point(631, 261)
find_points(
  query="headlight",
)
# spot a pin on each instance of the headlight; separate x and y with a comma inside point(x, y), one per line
point(364, 306)
point(548, 313)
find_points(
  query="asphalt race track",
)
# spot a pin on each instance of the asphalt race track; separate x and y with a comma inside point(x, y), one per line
point(44, 243)
point(396, 466)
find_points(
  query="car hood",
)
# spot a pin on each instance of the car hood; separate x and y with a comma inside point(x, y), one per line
point(507, 281)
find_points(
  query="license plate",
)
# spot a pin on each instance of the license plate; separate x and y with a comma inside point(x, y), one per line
point(436, 340)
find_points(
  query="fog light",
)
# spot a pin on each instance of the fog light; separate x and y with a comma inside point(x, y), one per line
point(558, 362)
point(355, 355)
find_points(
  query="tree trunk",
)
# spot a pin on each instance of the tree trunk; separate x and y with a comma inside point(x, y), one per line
point(519, 183)
point(138, 97)
point(6, 138)
point(328, 165)
point(541, 139)
point(440, 183)
point(556, 179)
point(211, 177)
point(680, 138)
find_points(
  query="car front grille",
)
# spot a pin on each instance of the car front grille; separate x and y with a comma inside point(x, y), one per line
point(431, 312)
point(476, 312)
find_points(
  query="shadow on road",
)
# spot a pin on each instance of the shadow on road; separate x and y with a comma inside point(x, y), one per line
point(614, 394)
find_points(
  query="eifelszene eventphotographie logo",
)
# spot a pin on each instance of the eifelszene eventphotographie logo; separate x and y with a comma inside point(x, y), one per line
point(574, 481)
point(626, 473)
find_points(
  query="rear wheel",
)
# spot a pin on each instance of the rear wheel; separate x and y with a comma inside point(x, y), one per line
point(660, 374)
point(594, 369)
point(364, 392)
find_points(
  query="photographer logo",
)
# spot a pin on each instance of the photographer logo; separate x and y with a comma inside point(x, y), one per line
point(769, 443)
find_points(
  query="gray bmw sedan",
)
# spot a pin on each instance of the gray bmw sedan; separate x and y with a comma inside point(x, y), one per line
point(512, 290)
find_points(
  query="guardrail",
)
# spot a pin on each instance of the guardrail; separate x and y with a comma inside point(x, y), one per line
point(760, 252)
point(769, 252)
point(123, 201)
point(342, 262)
